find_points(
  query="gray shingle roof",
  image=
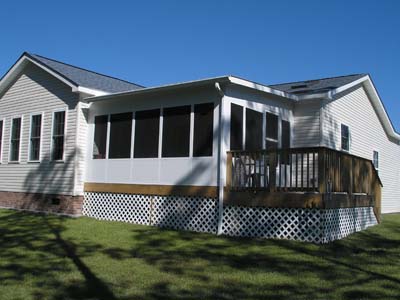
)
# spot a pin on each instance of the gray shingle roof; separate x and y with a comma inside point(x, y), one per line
point(317, 85)
point(86, 78)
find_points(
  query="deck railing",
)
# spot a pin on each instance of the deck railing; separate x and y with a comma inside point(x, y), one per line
point(316, 169)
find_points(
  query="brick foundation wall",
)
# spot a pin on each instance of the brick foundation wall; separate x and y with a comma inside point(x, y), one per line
point(64, 204)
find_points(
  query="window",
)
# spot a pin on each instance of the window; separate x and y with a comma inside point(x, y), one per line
point(285, 134)
point(100, 137)
point(203, 129)
point(271, 131)
point(375, 159)
point(1, 139)
point(254, 121)
point(147, 128)
point(34, 146)
point(236, 135)
point(120, 135)
point(58, 135)
point(345, 137)
point(15, 139)
point(176, 132)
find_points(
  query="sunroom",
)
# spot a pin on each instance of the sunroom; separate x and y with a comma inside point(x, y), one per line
point(224, 158)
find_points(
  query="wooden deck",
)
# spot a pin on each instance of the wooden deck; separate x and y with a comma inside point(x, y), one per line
point(301, 177)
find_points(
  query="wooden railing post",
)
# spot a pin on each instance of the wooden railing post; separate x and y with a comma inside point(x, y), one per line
point(321, 171)
point(272, 171)
point(351, 175)
point(229, 170)
point(377, 192)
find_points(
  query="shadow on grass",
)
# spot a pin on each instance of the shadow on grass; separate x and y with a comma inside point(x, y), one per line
point(364, 266)
point(102, 260)
point(31, 245)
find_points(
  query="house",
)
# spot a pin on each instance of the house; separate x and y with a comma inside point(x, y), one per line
point(313, 160)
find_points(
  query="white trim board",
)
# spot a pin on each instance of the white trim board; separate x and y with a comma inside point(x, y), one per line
point(22, 62)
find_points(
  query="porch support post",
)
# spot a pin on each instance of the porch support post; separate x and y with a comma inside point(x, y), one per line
point(221, 159)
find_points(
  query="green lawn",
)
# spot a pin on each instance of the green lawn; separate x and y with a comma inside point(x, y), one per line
point(51, 257)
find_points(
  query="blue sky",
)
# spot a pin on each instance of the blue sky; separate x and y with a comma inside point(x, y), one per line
point(158, 42)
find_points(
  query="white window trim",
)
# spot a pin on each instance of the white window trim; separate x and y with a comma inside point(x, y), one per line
point(29, 160)
point(133, 134)
point(349, 138)
point(160, 132)
point(191, 131)
point(52, 131)
point(20, 140)
point(107, 137)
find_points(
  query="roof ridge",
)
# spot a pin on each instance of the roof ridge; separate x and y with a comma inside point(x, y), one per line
point(83, 69)
point(324, 78)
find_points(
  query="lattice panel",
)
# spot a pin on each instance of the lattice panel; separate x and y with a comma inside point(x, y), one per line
point(283, 223)
point(189, 213)
point(339, 223)
point(200, 214)
point(118, 207)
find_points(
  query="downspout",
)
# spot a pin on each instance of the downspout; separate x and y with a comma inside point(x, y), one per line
point(220, 157)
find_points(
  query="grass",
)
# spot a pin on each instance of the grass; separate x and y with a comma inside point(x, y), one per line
point(52, 257)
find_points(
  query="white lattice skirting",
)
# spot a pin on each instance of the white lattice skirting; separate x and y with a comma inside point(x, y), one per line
point(200, 214)
point(311, 225)
point(188, 213)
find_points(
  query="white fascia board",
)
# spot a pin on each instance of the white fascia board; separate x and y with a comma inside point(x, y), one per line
point(261, 87)
point(158, 88)
point(67, 82)
point(89, 91)
point(269, 90)
point(347, 86)
point(24, 59)
point(222, 79)
point(20, 64)
point(382, 113)
point(376, 101)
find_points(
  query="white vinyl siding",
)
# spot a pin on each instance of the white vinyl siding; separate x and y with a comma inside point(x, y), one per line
point(36, 90)
point(306, 127)
point(367, 134)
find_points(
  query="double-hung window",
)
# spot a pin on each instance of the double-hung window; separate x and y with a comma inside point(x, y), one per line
point(15, 139)
point(35, 135)
point(58, 135)
point(345, 137)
